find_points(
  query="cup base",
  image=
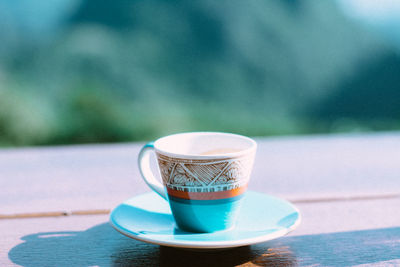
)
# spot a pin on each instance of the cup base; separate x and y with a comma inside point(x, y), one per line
point(201, 231)
point(205, 217)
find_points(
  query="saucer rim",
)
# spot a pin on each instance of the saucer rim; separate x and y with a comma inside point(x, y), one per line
point(211, 244)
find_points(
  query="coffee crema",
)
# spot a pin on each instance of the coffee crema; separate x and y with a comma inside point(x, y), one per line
point(219, 151)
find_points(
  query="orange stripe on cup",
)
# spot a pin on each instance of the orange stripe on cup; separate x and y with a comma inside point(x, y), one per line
point(207, 195)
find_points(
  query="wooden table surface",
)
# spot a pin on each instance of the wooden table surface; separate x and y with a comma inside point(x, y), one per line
point(54, 205)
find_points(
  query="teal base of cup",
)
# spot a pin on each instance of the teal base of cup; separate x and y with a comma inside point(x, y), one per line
point(205, 216)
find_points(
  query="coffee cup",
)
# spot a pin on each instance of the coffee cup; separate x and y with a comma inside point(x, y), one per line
point(204, 177)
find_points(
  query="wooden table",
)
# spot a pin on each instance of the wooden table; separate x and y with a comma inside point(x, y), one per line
point(54, 205)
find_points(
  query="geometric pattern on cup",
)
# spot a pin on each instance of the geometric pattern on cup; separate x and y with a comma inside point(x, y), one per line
point(204, 175)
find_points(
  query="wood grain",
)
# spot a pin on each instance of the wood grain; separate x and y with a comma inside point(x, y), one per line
point(52, 214)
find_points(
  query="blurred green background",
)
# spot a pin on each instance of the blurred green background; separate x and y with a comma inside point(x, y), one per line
point(86, 71)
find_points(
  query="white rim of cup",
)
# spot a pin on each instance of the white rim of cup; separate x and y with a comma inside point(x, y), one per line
point(252, 147)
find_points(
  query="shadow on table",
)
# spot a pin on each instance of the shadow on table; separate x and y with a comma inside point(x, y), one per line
point(101, 245)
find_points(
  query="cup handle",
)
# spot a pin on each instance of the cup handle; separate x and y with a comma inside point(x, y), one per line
point(145, 170)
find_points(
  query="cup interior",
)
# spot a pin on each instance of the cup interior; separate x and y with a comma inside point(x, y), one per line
point(204, 144)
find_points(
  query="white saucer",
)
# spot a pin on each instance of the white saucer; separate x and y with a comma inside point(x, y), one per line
point(148, 218)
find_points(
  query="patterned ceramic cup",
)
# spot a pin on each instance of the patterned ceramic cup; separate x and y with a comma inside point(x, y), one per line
point(204, 175)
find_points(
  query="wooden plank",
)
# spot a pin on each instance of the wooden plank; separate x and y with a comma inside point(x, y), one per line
point(329, 165)
point(331, 234)
point(100, 176)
